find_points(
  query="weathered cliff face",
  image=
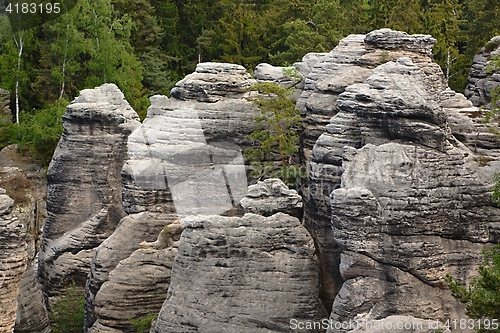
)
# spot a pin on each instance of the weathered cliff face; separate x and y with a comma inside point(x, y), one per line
point(184, 159)
point(411, 207)
point(252, 274)
point(5, 113)
point(352, 61)
point(13, 260)
point(84, 184)
point(25, 183)
point(483, 76)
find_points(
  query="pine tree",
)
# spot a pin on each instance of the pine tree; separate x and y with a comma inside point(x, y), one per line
point(276, 133)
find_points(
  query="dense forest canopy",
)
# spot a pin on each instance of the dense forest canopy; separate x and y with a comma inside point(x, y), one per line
point(145, 46)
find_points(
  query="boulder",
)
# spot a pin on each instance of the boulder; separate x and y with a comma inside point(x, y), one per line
point(84, 185)
point(249, 273)
point(271, 196)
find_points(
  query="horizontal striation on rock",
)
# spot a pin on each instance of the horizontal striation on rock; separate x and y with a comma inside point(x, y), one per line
point(252, 273)
point(84, 188)
point(483, 77)
point(13, 260)
point(185, 158)
point(352, 62)
point(412, 205)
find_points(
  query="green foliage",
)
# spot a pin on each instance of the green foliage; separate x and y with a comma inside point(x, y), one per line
point(143, 325)
point(38, 132)
point(67, 314)
point(276, 132)
point(482, 296)
point(496, 189)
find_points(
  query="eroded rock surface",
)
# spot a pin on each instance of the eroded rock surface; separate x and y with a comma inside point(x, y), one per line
point(351, 62)
point(483, 76)
point(271, 196)
point(13, 260)
point(411, 206)
point(252, 273)
point(5, 113)
point(186, 158)
point(84, 184)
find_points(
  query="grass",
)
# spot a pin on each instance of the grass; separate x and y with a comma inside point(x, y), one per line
point(143, 325)
point(67, 315)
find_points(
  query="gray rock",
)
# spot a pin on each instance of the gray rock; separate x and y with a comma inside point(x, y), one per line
point(388, 39)
point(31, 316)
point(482, 75)
point(122, 296)
point(252, 273)
point(13, 260)
point(467, 125)
point(5, 113)
point(411, 207)
point(84, 185)
point(271, 196)
point(279, 75)
point(351, 62)
point(184, 159)
point(213, 81)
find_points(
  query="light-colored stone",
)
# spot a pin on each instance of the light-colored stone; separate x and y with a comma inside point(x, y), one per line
point(251, 274)
point(84, 184)
point(13, 260)
point(483, 76)
point(271, 196)
point(411, 207)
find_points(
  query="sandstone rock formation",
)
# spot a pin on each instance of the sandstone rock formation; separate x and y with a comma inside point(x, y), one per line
point(483, 76)
point(31, 316)
point(84, 184)
point(271, 196)
point(25, 182)
point(352, 61)
point(5, 113)
point(13, 259)
point(186, 158)
point(411, 206)
point(248, 274)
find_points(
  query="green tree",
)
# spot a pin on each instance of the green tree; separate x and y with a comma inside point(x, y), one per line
point(482, 296)
point(276, 133)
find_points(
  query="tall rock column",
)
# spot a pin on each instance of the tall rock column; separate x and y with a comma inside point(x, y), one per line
point(84, 202)
point(411, 206)
point(184, 159)
point(351, 62)
point(13, 259)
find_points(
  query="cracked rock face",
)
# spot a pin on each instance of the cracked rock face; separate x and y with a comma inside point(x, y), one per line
point(84, 184)
point(483, 77)
point(13, 260)
point(411, 206)
point(351, 62)
point(252, 274)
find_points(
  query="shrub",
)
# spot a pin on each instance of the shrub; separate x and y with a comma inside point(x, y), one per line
point(143, 325)
point(276, 133)
point(482, 296)
point(38, 132)
point(67, 314)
